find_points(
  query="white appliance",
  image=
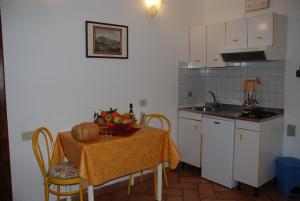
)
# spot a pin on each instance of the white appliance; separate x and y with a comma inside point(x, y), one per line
point(217, 150)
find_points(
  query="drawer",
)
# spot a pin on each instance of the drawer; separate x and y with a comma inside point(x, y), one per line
point(190, 115)
point(248, 125)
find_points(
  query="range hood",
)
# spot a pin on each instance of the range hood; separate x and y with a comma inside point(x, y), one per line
point(267, 53)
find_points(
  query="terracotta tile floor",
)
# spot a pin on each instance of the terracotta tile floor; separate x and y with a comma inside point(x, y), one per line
point(186, 185)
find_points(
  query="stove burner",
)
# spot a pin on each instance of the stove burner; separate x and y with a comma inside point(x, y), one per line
point(257, 114)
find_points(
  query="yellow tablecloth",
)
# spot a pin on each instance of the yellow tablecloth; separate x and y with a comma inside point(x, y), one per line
point(111, 157)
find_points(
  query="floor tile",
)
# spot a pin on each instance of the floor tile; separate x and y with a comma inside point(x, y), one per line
point(216, 200)
point(176, 192)
point(183, 185)
point(233, 195)
point(174, 198)
point(206, 190)
point(141, 198)
point(173, 176)
point(140, 188)
point(191, 195)
point(218, 187)
point(121, 195)
point(193, 179)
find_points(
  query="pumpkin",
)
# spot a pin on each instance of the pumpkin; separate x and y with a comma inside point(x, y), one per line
point(85, 131)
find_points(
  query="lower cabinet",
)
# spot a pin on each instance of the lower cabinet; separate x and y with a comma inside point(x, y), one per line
point(190, 134)
point(246, 156)
point(257, 145)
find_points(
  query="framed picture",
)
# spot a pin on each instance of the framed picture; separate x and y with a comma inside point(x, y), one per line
point(106, 40)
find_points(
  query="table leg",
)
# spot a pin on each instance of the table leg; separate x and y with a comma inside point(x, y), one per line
point(90, 193)
point(132, 180)
point(159, 182)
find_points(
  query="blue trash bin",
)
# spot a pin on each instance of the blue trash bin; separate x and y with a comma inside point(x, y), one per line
point(288, 175)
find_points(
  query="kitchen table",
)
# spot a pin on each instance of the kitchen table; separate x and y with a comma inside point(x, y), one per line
point(111, 157)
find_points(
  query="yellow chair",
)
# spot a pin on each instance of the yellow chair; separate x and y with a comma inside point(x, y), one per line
point(55, 175)
point(164, 123)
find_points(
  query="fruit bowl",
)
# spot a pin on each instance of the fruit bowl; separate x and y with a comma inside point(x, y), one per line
point(117, 129)
point(111, 122)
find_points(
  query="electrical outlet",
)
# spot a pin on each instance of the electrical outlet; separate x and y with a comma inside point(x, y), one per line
point(143, 102)
point(27, 135)
point(291, 130)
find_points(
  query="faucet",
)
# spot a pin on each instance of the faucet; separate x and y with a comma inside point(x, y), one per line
point(214, 97)
point(215, 105)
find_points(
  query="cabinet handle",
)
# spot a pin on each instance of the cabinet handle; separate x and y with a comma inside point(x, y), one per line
point(216, 122)
point(197, 60)
point(195, 127)
point(259, 37)
point(241, 136)
point(215, 59)
point(235, 40)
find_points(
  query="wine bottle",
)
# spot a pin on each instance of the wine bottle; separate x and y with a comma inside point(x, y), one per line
point(131, 110)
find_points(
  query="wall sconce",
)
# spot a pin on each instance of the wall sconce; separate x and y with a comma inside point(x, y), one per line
point(153, 7)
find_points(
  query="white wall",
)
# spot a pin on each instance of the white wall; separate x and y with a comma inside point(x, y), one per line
point(217, 10)
point(50, 82)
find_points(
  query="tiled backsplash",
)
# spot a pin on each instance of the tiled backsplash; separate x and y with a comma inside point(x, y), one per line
point(226, 83)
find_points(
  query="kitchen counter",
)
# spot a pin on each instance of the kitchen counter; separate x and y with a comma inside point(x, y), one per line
point(233, 112)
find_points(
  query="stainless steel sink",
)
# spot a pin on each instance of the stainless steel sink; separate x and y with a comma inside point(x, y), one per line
point(201, 108)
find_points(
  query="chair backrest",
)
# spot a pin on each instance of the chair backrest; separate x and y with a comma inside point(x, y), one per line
point(39, 150)
point(163, 121)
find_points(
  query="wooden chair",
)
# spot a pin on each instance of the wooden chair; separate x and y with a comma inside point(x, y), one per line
point(163, 123)
point(57, 175)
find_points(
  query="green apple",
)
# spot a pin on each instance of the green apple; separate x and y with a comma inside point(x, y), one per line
point(108, 118)
point(117, 120)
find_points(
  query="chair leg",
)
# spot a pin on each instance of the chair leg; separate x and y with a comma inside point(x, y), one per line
point(80, 193)
point(165, 176)
point(155, 182)
point(58, 192)
point(46, 192)
point(129, 185)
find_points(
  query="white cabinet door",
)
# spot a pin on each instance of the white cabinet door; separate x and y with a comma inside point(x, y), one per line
point(215, 42)
point(190, 133)
point(260, 30)
point(246, 156)
point(236, 33)
point(217, 151)
point(198, 46)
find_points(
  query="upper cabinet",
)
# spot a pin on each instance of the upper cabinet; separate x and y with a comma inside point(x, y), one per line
point(198, 46)
point(215, 42)
point(236, 33)
point(253, 32)
point(267, 30)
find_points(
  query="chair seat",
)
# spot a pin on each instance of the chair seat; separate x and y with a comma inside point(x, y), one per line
point(63, 171)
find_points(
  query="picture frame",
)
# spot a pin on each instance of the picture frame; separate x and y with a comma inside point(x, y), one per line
point(104, 40)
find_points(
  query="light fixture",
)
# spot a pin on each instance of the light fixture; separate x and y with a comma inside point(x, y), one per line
point(153, 7)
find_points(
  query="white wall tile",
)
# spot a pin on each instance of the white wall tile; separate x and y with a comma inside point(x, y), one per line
point(227, 84)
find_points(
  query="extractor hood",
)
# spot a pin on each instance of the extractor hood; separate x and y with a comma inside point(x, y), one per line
point(267, 53)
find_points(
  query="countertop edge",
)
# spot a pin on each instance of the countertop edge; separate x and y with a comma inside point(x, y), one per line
point(217, 114)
